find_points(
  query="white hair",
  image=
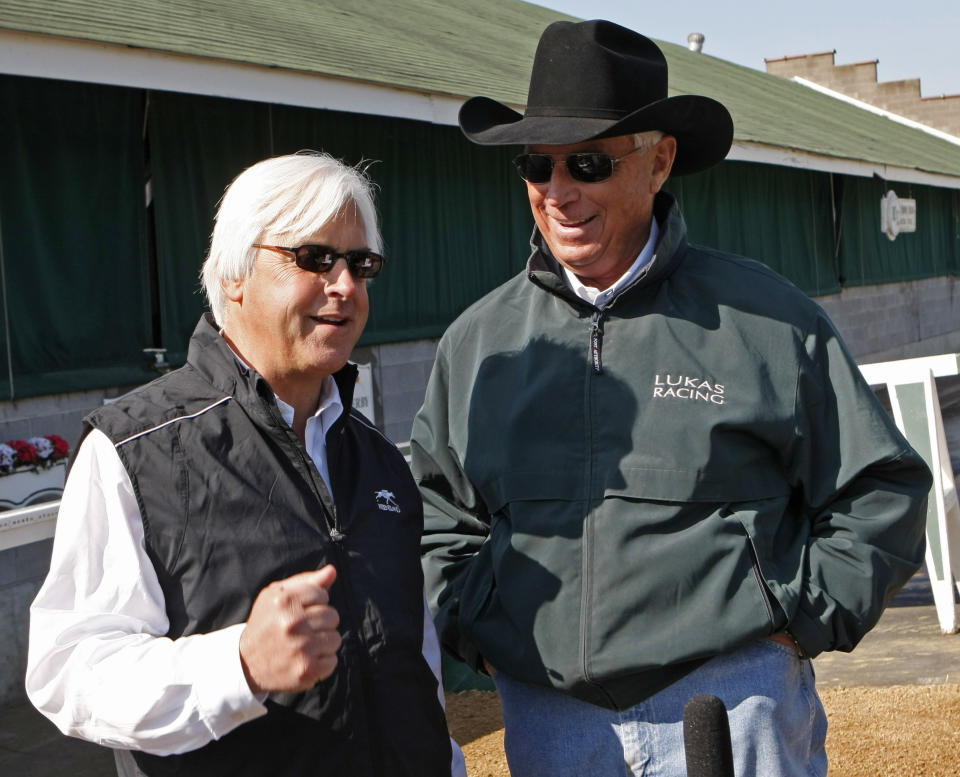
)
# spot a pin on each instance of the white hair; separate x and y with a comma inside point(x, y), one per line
point(295, 196)
point(647, 140)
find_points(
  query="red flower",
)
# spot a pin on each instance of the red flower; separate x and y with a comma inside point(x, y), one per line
point(26, 453)
point(61, 449)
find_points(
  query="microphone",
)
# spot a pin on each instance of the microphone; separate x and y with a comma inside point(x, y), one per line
point(706, 738)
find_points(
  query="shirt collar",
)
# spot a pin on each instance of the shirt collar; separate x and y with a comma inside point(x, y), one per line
point(329, 408)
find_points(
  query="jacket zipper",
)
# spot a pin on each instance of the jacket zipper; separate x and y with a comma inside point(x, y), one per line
point(586, 558)
point(586, 567)
point(585, 547)
point(596, 325)
point(596, 341)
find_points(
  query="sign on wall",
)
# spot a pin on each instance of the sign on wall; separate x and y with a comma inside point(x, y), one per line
point(363, 392)
point(897, 215)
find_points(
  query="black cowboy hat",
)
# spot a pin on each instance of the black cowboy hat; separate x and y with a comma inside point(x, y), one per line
point(595, 80)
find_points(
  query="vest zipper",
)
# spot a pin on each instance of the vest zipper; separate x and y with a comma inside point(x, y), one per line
point(330, 518)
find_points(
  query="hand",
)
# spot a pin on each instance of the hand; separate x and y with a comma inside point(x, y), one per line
point(291, 640)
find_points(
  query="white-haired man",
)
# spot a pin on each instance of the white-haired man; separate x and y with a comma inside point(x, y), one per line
point(225, 594)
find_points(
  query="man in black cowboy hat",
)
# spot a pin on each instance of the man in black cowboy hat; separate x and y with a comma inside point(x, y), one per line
point(650, 470)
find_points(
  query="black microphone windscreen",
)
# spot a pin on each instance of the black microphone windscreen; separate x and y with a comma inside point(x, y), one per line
point(706, 738)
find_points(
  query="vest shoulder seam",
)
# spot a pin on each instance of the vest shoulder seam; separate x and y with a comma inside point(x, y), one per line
point(356, 415)
point(186, 417)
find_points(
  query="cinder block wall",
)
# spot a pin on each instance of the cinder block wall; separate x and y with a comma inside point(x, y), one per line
point(400, 373)
point(898, 320)
point(21, 572)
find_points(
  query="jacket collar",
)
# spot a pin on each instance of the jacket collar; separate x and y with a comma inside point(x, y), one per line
point(545, 271)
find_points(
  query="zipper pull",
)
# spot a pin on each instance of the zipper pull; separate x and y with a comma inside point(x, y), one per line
point(596, 341)
point(336, 535)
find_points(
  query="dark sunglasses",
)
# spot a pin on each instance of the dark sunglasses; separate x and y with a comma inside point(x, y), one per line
point(321, 259)
point(584, 166)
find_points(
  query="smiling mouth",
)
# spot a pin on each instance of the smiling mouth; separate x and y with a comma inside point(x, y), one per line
point(572, 224)
point(331, 320)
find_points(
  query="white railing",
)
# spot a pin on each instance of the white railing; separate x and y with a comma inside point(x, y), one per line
point(28, 524)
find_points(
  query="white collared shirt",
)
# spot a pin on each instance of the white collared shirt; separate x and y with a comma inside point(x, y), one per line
point(600, 299)
point(99, 665)
point(329, 409)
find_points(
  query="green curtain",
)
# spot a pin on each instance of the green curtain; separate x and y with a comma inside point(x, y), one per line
point(779, 216)
point(73, 236)
point(197, 146)
point(868, 256)
point(454, 216)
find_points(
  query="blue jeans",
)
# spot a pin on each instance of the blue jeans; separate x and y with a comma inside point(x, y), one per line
point(777, 723)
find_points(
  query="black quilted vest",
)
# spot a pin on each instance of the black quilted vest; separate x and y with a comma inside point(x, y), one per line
point(230, 501)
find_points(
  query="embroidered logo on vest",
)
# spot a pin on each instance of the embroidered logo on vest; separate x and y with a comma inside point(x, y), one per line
point(687, 387)
point(386, 500)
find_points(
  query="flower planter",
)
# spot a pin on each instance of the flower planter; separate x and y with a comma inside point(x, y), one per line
point(29, 486)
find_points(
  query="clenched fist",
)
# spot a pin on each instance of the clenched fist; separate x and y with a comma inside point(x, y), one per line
point(291, 640)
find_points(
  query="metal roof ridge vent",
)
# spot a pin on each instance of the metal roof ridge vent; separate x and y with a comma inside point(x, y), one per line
point(695, 41)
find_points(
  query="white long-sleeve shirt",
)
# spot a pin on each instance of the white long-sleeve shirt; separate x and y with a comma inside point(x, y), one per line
point(99, 666)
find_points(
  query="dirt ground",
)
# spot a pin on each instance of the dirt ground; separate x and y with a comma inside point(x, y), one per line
point(900, 731)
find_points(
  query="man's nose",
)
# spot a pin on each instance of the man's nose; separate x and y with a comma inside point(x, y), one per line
point(339, 280)
point(562, 185)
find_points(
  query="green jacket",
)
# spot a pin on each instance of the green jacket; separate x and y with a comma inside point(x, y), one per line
point(613, 497)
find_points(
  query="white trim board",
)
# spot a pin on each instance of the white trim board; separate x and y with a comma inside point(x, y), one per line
point(43, 56)
point(747, 151)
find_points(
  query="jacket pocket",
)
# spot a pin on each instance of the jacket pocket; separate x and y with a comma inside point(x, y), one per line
point(775, 612)
point(674, 580)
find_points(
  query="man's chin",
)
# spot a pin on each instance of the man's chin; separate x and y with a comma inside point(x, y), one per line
point(577, 263)
point(330, 360)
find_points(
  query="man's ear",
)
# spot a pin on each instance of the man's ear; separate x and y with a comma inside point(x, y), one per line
point(664, 153)
point(233, 289)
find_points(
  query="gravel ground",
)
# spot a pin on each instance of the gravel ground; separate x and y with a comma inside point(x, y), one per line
point(901, 731)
